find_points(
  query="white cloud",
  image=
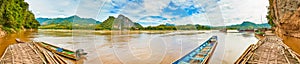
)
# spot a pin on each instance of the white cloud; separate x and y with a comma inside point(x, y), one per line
point(183, 3)
point(97, 9)
point(224, 12)
point(52, 8)
point(155, 8)
point(136, 11)
point(237, 11)
point(194, 19)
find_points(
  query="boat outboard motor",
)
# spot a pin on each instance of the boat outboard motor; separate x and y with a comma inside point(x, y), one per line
point(79, 53)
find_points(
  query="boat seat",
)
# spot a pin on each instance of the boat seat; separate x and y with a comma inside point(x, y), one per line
point(199, 59)
point(193, 54)
point(200, 56)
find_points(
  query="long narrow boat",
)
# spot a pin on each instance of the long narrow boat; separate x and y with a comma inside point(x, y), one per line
point(60, 51)
point(201, 54)
point(260, 34)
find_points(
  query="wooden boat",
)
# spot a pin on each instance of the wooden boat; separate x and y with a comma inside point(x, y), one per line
point(260, 32)
point(60, 51)
point(201, 54)
point(19, 41)
point(259, 35)
point(223, 30)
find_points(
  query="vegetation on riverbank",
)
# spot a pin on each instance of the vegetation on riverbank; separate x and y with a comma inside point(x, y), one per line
point(15, 16)
point(72, 22)
point(270, 15)
point(122, 22)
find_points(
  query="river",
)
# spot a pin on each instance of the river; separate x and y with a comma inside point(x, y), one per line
point(136, 47)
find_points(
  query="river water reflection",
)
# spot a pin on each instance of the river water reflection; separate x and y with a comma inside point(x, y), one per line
point(136, 47)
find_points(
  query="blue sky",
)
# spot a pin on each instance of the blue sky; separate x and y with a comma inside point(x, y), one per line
point(155, 12)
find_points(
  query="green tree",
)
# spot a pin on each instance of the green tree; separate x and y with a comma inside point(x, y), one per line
point(14, 15)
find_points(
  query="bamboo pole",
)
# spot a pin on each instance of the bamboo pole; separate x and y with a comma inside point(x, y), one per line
point(48, 58)
point(1, 59)
point(37, 52)
point(61, 60)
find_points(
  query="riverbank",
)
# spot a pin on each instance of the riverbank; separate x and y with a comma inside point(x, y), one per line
point(2, 33)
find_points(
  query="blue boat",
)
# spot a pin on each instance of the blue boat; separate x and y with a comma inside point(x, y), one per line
point(201, 54)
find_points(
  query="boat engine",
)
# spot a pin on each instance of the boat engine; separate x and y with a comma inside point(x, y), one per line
point(79, 53)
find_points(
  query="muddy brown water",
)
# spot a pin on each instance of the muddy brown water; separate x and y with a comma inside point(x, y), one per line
point(136, 47)
point(292, 42)
point(10, 39)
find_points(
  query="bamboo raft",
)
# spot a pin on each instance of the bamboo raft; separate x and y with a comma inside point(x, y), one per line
point(35, 53)
point(269, 50)
point(201, 54)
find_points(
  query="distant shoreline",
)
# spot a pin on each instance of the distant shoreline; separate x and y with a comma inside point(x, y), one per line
point(113, 30)
point(147, 31)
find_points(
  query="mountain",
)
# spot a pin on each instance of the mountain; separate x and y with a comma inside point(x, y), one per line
point(249, 25)
point(120, 23)
point(41, 20)
point(73, 19)
point(107, 24)
point(72, 22)
point(168, 24)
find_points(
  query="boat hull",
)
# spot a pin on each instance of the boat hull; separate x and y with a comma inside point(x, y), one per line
point(66, 53)
point(201, 54)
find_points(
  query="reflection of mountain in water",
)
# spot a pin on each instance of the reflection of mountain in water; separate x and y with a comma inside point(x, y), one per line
point(247, 34)
point(182, 33)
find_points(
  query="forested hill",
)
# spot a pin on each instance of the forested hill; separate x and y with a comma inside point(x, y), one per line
point(120, 23)
point(15, 15)
point(72, 22)
point(72, 19)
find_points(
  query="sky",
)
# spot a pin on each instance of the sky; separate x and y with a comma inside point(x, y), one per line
point(155, 12)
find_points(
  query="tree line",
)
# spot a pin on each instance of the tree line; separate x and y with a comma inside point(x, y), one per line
point(15, 15)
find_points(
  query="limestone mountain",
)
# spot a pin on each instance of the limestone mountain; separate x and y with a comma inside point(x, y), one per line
point(120, 23)
point(284, 16)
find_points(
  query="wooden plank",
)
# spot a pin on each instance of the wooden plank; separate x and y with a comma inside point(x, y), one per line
point(30, 53)
point(48, 58)
point(266, 50)
point(210, 53)
point(5, 54)
point(60, 60)
point(31, 45)
point(240, 59)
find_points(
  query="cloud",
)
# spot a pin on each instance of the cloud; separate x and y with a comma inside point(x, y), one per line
point(237, 11)
point(52, 8)
point(155, 12)
point(152, 20)
point(194, 19)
